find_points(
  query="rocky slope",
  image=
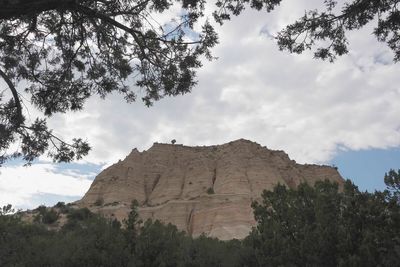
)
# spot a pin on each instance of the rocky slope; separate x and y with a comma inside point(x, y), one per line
point(199, 189)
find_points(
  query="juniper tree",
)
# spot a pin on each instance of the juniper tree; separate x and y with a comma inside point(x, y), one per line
point(324, 30)
point(62, 52)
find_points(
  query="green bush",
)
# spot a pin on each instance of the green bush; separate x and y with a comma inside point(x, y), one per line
point(41, 208)
point(210, 191)
point(79, 214)
point(46, 216)
point(50, 216)
point(62, 207)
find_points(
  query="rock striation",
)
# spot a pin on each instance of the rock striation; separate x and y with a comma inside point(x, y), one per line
point(205, 189)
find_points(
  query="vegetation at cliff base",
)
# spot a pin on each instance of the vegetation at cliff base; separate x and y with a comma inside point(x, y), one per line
point(323, 225)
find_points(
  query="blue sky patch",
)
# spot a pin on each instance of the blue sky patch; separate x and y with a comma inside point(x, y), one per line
point(76, 169)
point(366, 168)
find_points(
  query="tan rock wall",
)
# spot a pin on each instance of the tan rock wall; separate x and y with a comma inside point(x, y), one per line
point(199, 189)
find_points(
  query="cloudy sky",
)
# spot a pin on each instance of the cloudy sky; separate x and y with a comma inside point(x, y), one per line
point(344, 114)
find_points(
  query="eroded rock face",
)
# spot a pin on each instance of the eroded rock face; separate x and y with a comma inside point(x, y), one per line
point(205, 189)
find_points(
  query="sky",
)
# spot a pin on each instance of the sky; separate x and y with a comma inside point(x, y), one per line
point(344, 114)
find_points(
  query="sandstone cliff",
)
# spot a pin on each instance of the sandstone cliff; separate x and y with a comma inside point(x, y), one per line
point(205, 189)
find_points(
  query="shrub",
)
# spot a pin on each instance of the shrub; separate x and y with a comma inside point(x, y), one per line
point(99, 202)
point(79, 214)
point(62, 207)
point(41, 208)
point(46, 216)
point(50, 216)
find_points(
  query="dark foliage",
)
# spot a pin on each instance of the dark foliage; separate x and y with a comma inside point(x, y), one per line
point(326, 30)
point(46, 215)
point(392, 181)
point(62, 208)
point(321, 226)
point(66, 51)
point(311, 226)
point(91, 240)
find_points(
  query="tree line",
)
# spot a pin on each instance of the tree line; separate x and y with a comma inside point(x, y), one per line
point(321, 225)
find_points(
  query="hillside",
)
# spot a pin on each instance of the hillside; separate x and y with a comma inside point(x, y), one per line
point(205, 189)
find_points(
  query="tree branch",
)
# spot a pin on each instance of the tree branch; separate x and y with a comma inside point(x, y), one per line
point(17, 101)
point(135, 33)
point(12, 8)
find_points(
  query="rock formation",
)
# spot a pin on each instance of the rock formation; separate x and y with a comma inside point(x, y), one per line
point(205, 189)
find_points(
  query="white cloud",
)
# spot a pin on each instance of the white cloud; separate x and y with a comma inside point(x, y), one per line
point(19, 185)
point(307, 107)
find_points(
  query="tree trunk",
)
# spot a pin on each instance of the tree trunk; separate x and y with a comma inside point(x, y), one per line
point(11, 9)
